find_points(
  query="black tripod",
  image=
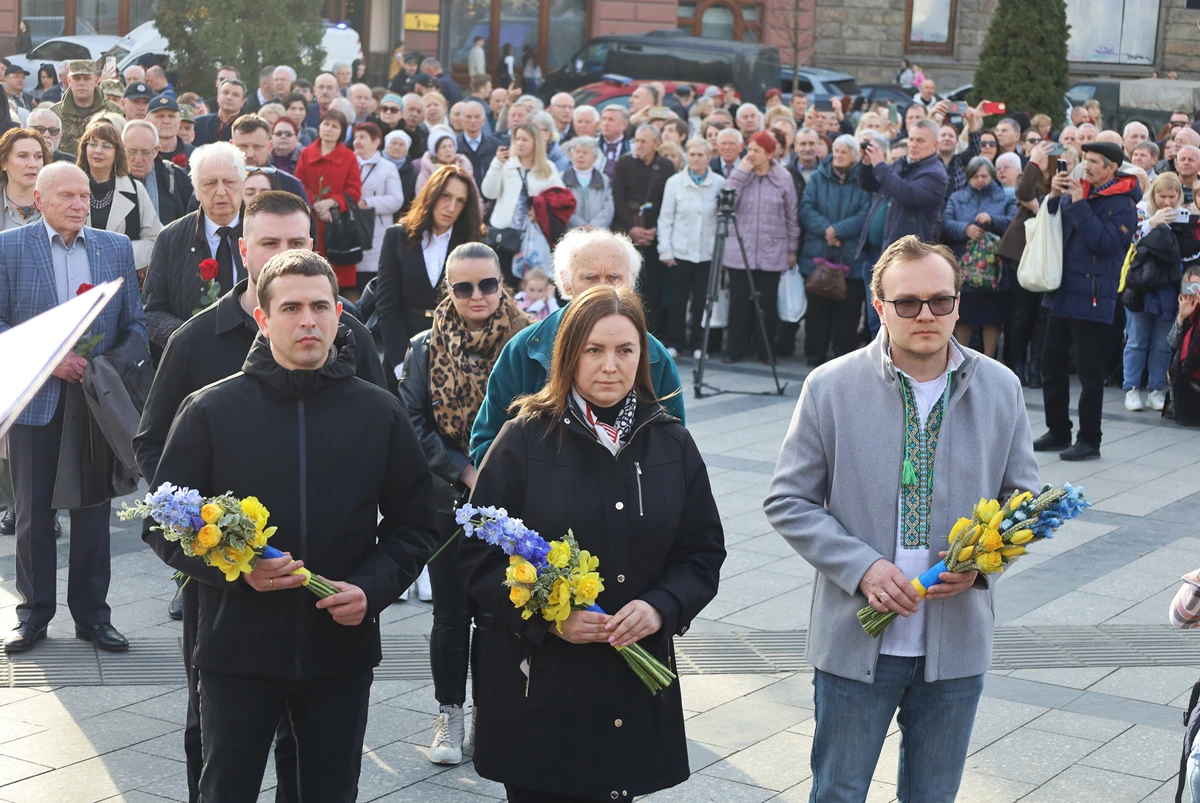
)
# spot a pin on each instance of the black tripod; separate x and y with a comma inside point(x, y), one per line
point(726, 216)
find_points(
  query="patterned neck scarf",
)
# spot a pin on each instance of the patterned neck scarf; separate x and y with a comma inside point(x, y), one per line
point(610, 437)
point(460, 361)
point(920, 448)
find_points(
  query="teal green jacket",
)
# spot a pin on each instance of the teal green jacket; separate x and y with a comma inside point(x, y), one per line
point(524, 365)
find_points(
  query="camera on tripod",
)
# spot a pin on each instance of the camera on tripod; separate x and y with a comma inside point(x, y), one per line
point(726, 199)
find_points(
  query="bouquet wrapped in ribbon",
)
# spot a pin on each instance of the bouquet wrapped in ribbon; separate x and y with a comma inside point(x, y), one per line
point(225, 532)
point(995, 536)
point(552, 579)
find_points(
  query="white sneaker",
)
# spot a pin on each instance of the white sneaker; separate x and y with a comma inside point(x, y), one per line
point(1156, 399)
point(674, 352)
point(424, 590)
point(1133, 401)
point(448, 740)
point(696, 354)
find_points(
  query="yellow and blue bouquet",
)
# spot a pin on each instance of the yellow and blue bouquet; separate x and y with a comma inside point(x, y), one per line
point(995, 536)
point(552, 579)
point(225, 532)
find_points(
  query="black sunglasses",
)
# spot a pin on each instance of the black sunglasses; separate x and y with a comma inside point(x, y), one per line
point(390, 109)
point(464, 290)
point(911, 307)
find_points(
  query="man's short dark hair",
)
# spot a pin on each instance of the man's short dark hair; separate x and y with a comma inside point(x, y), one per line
point(249, 123)
point(236, 82)
point(225, 67)
point(909, 249)
point(478, 82)
point(277, 203)
point(266, 72)
point(295, 262)
point(295, 97)
point(479, 39)
point(302, 83)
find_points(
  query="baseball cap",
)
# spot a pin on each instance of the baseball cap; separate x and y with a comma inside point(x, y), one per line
point(163, 103)
point(82, 67)
point(138, 91)
point(111, 87)
point(16, 68)
point(424, 79)
point(187, 114)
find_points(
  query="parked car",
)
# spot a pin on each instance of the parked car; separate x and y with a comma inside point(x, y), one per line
point(963, 93)
point(819, 81)
point(670, 55)
point(62, 48)
point(888, 93)
point(617, 89)
point(43, 28)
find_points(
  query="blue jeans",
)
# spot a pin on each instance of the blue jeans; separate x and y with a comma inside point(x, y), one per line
point(1146, 339)
point(868, 270)
point(852, 720)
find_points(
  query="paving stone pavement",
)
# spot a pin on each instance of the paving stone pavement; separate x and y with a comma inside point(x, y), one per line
point(1049, 735)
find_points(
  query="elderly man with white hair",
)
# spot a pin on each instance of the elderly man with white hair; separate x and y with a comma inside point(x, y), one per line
point(562, 109)
point(134, 74)
point(282, 79)
point(583, 258)
point(166, 183)
point(586, 121)
point(46, 123)
point(1187, 167)
point(44, 265)
point(1134, 133)
point(749, 120)
point(729, 150)
point(175, 284)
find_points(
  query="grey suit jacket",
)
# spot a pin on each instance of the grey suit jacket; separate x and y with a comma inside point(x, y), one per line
point(835, 498)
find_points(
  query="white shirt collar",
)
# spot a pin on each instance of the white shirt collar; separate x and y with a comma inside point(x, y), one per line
point(431, 238)
point(51, 233)
point(210, 228)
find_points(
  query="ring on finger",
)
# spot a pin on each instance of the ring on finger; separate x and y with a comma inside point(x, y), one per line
point(271, 583)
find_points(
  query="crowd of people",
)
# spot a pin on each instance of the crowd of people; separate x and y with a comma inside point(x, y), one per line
point(394, 265)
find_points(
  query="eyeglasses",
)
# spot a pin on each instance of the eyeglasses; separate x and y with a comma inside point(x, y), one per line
point(46, 132)
point(138, 153)
point(1033, 140)
point(390, 109)
point(464, 290)
point(267, 171)
point(1178, 123)
point(284, 133)
point(911, 307)
point(987, 144)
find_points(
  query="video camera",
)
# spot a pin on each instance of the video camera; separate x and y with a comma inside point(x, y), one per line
point(726, 200)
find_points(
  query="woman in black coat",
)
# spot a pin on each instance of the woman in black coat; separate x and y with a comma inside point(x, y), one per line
point(595, 453)
point(442, 388)
point(442, 217)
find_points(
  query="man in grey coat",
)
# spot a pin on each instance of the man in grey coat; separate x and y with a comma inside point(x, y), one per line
point(912, 396)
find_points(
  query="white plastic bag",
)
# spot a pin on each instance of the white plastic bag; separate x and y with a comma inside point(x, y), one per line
point(720, 307)
point(535, 252)
point(1041, 266)
point(793, 302)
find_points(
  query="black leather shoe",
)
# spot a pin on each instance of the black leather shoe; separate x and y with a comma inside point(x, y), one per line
point(23, 637)
point(8, 523)
point(1081, 451)
point(104, 636)
point(175, 609)
point(1051, 443)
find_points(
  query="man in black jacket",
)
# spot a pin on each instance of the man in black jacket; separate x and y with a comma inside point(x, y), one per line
point(209, 347)
point(638, 183)
point(264, 645)
point(217, 125)
point(479, 147)
point(167, 185)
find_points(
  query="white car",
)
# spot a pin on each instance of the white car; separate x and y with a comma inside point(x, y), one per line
point(62, 48)
point(341, 44)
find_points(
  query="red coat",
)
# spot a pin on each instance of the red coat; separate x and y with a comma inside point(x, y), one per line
point(331, 175)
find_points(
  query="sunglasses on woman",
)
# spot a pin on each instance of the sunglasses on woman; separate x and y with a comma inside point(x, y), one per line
point(911, 307)
point(464, 290)
point(987, 143)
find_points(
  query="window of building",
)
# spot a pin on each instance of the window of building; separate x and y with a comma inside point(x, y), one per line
point(1112, 31)
point(722, 19)
point(929, 26)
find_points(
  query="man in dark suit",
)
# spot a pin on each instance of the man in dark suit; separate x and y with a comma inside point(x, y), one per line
point(729, 150)
point(41, 266)
point(614, 145)
point(264, 94)
point(14, 85)
point(164, 114)
point(637, 187)
point(478, 147)
point(173, 288)
point(217, 126)
point(167, 184)
point(442, 82)
point(224, 74)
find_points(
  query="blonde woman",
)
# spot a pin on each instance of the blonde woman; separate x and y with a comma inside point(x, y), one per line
point(436, 109)
point(513, 179)
point(673, 153)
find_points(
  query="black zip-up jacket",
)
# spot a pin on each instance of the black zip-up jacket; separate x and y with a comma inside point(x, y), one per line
point(323, 451)
point(210, 346)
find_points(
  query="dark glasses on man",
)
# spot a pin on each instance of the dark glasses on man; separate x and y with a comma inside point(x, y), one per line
point(464, 290)
point(911, 307)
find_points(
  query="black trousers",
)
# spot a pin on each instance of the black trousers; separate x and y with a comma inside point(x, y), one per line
point(516, 794)
point(1085, 340)
point(33, 457)
point(743, 321)
point(689, 280)
point(651, 283)
point(836, 322)
point(450, 638)
point(193, 752)
point(1023, 314)
point(239, 717)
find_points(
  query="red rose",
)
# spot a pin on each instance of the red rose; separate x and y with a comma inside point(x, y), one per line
point(180, 159)
point(208, 269)
point(83, 288)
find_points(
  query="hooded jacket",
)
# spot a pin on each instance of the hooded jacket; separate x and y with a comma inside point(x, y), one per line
point(917, 191)
point(265, 432)
point(1097, 232)
point(832, 200)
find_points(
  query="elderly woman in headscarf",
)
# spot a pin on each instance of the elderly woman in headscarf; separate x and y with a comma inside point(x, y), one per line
point(443, 150)
point(395, 151)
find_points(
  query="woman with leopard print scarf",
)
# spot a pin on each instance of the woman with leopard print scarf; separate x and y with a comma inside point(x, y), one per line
point(442, 387)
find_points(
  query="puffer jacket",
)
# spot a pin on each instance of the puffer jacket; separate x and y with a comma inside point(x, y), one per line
point(968, 202)
point(917, 191)
point(766, 208)
point(1097, 232)
point(687, 224)
point(834, 200)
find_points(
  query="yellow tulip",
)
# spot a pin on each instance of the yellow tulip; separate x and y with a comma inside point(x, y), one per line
point(1012, 551)
point(976, 531)
point(212, 513)
point(1019, 500)
point(994, 523)
point(965, 553)
point(959, 528)
point(1022, 537)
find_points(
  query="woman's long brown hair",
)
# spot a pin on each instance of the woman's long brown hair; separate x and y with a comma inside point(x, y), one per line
point(104, 131)
point(419, 219)
point(582, 315)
